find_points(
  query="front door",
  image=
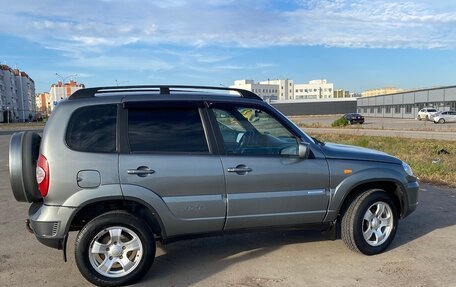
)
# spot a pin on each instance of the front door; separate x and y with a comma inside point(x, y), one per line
point(267, 184)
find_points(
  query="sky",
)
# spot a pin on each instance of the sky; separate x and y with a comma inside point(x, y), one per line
point(357, 45)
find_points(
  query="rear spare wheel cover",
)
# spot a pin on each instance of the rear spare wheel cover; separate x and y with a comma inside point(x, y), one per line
point(23, 155)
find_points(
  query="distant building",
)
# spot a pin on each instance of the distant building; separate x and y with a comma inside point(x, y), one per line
point(62, 91)
point(315, 89)
point(381, 91)
point(286, 89)
point(341, 93)
point(17, 95)
point(43, 104)
point(265, 91)
point(407, 104)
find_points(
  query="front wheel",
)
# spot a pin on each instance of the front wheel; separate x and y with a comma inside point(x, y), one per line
point(441, 121)
point(114, 249)
point(370, 223)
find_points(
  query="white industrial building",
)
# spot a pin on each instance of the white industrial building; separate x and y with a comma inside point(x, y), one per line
point(286, 89)
point(315, 89)
point(407, 104)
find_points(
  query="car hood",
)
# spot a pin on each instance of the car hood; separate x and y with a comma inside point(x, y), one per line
point(338, 151)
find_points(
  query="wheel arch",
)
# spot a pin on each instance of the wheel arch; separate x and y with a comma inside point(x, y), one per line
point(91, 209)
point(390, 187)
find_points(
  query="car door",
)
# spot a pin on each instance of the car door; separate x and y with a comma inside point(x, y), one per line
point(452, 116)
point(267, 183)
point(168, 156)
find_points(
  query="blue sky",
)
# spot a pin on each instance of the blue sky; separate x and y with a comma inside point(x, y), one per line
point(357, 45)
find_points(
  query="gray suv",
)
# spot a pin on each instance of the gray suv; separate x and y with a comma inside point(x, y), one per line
point(127, 166)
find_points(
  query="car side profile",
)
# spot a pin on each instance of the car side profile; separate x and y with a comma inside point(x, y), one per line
point(444, 117)
point(128, 166)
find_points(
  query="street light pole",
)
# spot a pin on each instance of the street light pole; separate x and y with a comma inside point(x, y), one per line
point(67, 77)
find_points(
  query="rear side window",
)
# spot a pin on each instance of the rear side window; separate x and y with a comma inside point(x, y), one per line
point(93, 129)
point(166, 129)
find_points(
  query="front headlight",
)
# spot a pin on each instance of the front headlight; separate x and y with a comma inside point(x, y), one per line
point(407, 169)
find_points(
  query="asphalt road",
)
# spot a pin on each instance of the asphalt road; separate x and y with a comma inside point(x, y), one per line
point(423, 253)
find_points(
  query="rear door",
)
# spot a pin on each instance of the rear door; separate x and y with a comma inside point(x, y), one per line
point(168, 153)
point(267, 184)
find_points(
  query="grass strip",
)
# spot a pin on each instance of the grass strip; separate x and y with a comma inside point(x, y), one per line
point(428, 158)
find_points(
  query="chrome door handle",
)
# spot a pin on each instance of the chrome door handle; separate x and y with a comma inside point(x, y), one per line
point(141, 171)
point(240, 169)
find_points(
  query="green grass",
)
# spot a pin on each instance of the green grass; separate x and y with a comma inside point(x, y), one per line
point(418, 153)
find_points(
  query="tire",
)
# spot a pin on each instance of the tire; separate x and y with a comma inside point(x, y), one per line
point(112, 235)
point(354, 223)
point(441, 121)
point(24, 149)
point(427, 117)
point(418, 117)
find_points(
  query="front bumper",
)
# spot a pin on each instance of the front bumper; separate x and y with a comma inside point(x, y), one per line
point(49, 223)
point(411, 202)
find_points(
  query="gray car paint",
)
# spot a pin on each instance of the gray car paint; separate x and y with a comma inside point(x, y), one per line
point(188, 193)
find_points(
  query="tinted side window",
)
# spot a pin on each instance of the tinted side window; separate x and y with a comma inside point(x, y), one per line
point(166, 130)
point(93, 129)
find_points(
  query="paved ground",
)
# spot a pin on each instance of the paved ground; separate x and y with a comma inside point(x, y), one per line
point(423, 253)
point(410, 128)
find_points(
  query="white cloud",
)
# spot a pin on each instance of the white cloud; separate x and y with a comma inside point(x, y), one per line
point(87, 32)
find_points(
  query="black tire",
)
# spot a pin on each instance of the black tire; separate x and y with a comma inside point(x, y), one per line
point(353, 222)
point(102, 223)
point(24, 150)
point(427, 117)
point(441, 121)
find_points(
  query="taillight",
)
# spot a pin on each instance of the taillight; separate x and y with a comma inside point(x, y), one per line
point(42, 175)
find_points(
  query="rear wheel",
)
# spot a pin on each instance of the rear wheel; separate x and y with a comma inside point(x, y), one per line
point(114, 249)
point(370, 223)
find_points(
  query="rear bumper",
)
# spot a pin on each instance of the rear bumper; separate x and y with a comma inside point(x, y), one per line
point(49, 223)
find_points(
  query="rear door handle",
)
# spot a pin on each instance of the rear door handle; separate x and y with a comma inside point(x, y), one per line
point(240, 169)
point(141, 171)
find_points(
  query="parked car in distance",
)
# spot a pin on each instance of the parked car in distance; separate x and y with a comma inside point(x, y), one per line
point(354, 118)
point(444, 117)
point(426, 114)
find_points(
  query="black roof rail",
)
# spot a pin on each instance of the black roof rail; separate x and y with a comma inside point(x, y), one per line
point(162, 89)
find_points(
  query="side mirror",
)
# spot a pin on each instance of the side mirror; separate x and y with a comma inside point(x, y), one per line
point(303, 150)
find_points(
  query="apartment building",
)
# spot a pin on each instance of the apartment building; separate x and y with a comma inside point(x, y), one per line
point(43, 104)
point(17, 95)
point(265, 91)
point(62, 91)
